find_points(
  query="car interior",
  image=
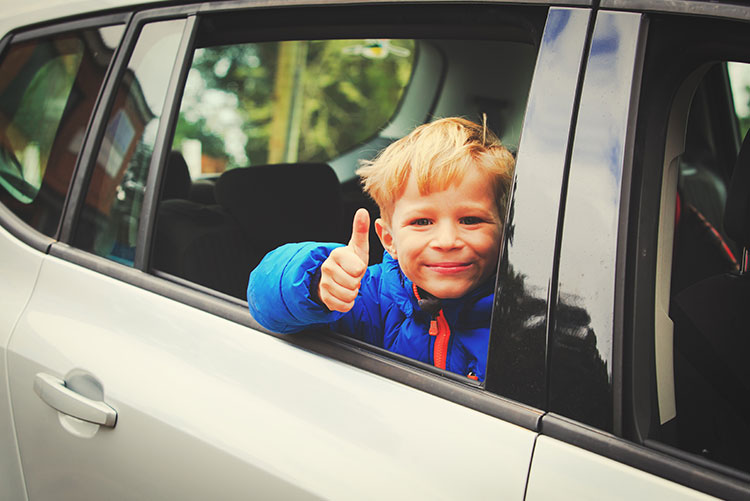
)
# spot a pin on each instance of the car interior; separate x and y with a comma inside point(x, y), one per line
point(702, 290)
point(213, 227)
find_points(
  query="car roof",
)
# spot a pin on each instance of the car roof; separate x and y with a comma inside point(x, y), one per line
point(29, 12)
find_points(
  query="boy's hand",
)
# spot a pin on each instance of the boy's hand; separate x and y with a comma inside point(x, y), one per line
point(342, 272)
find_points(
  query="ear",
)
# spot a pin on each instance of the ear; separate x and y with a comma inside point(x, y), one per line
point(386, 237)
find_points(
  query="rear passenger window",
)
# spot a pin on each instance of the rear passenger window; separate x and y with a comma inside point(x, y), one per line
point(274, 120)
point(48, 88)
point(270, 133)
point(109, 220)
point(711, 414)
point(739, 79)
point(689, 372)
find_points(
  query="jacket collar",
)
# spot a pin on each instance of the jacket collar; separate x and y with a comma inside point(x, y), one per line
point(400, 288)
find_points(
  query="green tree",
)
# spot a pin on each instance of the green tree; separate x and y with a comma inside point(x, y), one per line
point(340, 98)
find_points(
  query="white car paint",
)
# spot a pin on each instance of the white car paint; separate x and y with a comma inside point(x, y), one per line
point(19, 266)
point(18, 14)
point(209, 409)
point(562, 471)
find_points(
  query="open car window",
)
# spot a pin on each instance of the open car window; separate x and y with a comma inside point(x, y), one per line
point(272, 125)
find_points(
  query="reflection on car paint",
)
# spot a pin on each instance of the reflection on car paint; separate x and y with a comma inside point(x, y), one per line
point(589, 244)
point(517, 352)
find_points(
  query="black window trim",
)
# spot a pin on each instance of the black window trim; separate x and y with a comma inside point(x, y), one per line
point(165, 131)
point(690, 7)
point(228, 5)
point(26, 34)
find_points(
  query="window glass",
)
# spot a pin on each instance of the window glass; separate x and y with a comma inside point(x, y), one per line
point(109, 221)
point(270, 134)
point(48, 88)
point(739, 78)
point(708, 415)
point(272, 102)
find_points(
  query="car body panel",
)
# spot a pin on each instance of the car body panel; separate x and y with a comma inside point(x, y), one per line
point(19, 268)
point(562, 468)
point(247, 414)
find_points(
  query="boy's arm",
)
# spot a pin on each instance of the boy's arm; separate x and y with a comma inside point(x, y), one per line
point(306, 284)
point(279, 291)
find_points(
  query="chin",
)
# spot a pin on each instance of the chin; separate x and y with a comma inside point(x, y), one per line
point(448, 293)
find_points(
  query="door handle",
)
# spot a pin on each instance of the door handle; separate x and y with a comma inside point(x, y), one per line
point(54, 393)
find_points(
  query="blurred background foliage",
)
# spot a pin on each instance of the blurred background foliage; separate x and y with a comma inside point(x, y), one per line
point(289, 101)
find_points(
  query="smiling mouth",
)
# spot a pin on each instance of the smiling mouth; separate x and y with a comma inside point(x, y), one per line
point(449, 267)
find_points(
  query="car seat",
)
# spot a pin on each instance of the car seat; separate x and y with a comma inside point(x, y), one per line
point(282, 203)
point(177, 182)
point(196, 241)
point(711, 342)
point(259, 209)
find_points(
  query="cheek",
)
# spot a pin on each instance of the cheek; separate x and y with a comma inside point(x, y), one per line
point(409, 251)
point(487, 244)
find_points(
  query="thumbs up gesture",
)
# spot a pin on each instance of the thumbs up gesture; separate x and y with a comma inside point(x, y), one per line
point(342, 272)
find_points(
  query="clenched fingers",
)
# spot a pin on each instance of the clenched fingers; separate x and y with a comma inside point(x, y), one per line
point(340, 276)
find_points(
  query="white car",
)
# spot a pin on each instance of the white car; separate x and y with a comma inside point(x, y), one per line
point(151, 154)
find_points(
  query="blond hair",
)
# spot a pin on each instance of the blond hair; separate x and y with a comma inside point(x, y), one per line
point(438, 154)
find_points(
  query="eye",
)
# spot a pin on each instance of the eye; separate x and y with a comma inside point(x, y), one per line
point(422, 221)
point(471, 220)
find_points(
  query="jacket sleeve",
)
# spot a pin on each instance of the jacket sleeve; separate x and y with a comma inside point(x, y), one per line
point(278, 292)
point(279, 297)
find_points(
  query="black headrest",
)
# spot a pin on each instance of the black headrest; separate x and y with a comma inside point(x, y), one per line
point(177, 181)
point(737, 213)
point(282, 203)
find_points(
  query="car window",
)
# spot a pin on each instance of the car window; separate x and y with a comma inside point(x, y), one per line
point(292, 101)
point(271, 132)
point(108, 225)
point(709, 392)
point(48, 88)
point(690, 389)
point(739, 79)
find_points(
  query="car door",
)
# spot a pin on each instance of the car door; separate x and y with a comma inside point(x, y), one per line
point(656, 133)
point(127, 384)
point(35, 80)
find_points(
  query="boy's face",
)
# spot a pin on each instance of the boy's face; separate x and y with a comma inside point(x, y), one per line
point(446, 242)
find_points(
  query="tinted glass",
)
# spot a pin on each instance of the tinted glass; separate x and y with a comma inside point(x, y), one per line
point(48, 88)
point(109, 220)
point(739, 78)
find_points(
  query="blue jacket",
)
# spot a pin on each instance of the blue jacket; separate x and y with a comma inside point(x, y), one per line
point(386, 312)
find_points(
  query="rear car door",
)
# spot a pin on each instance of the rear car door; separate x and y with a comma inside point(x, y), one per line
point(130, 383)
point(655, 145)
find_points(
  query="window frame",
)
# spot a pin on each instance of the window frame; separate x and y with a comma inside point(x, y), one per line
point(636, 276)
point(15, 225)
point(400, 369)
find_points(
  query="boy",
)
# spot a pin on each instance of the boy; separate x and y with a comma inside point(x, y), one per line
point(442, 192)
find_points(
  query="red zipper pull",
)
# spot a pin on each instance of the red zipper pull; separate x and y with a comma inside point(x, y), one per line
point(433, 327)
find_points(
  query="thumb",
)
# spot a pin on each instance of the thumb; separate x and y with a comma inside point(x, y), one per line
point(360, 241)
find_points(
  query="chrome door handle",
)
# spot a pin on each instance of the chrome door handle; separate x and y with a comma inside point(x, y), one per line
point(58, 396)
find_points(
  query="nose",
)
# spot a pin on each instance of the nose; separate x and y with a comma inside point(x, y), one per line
point(446, 236)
